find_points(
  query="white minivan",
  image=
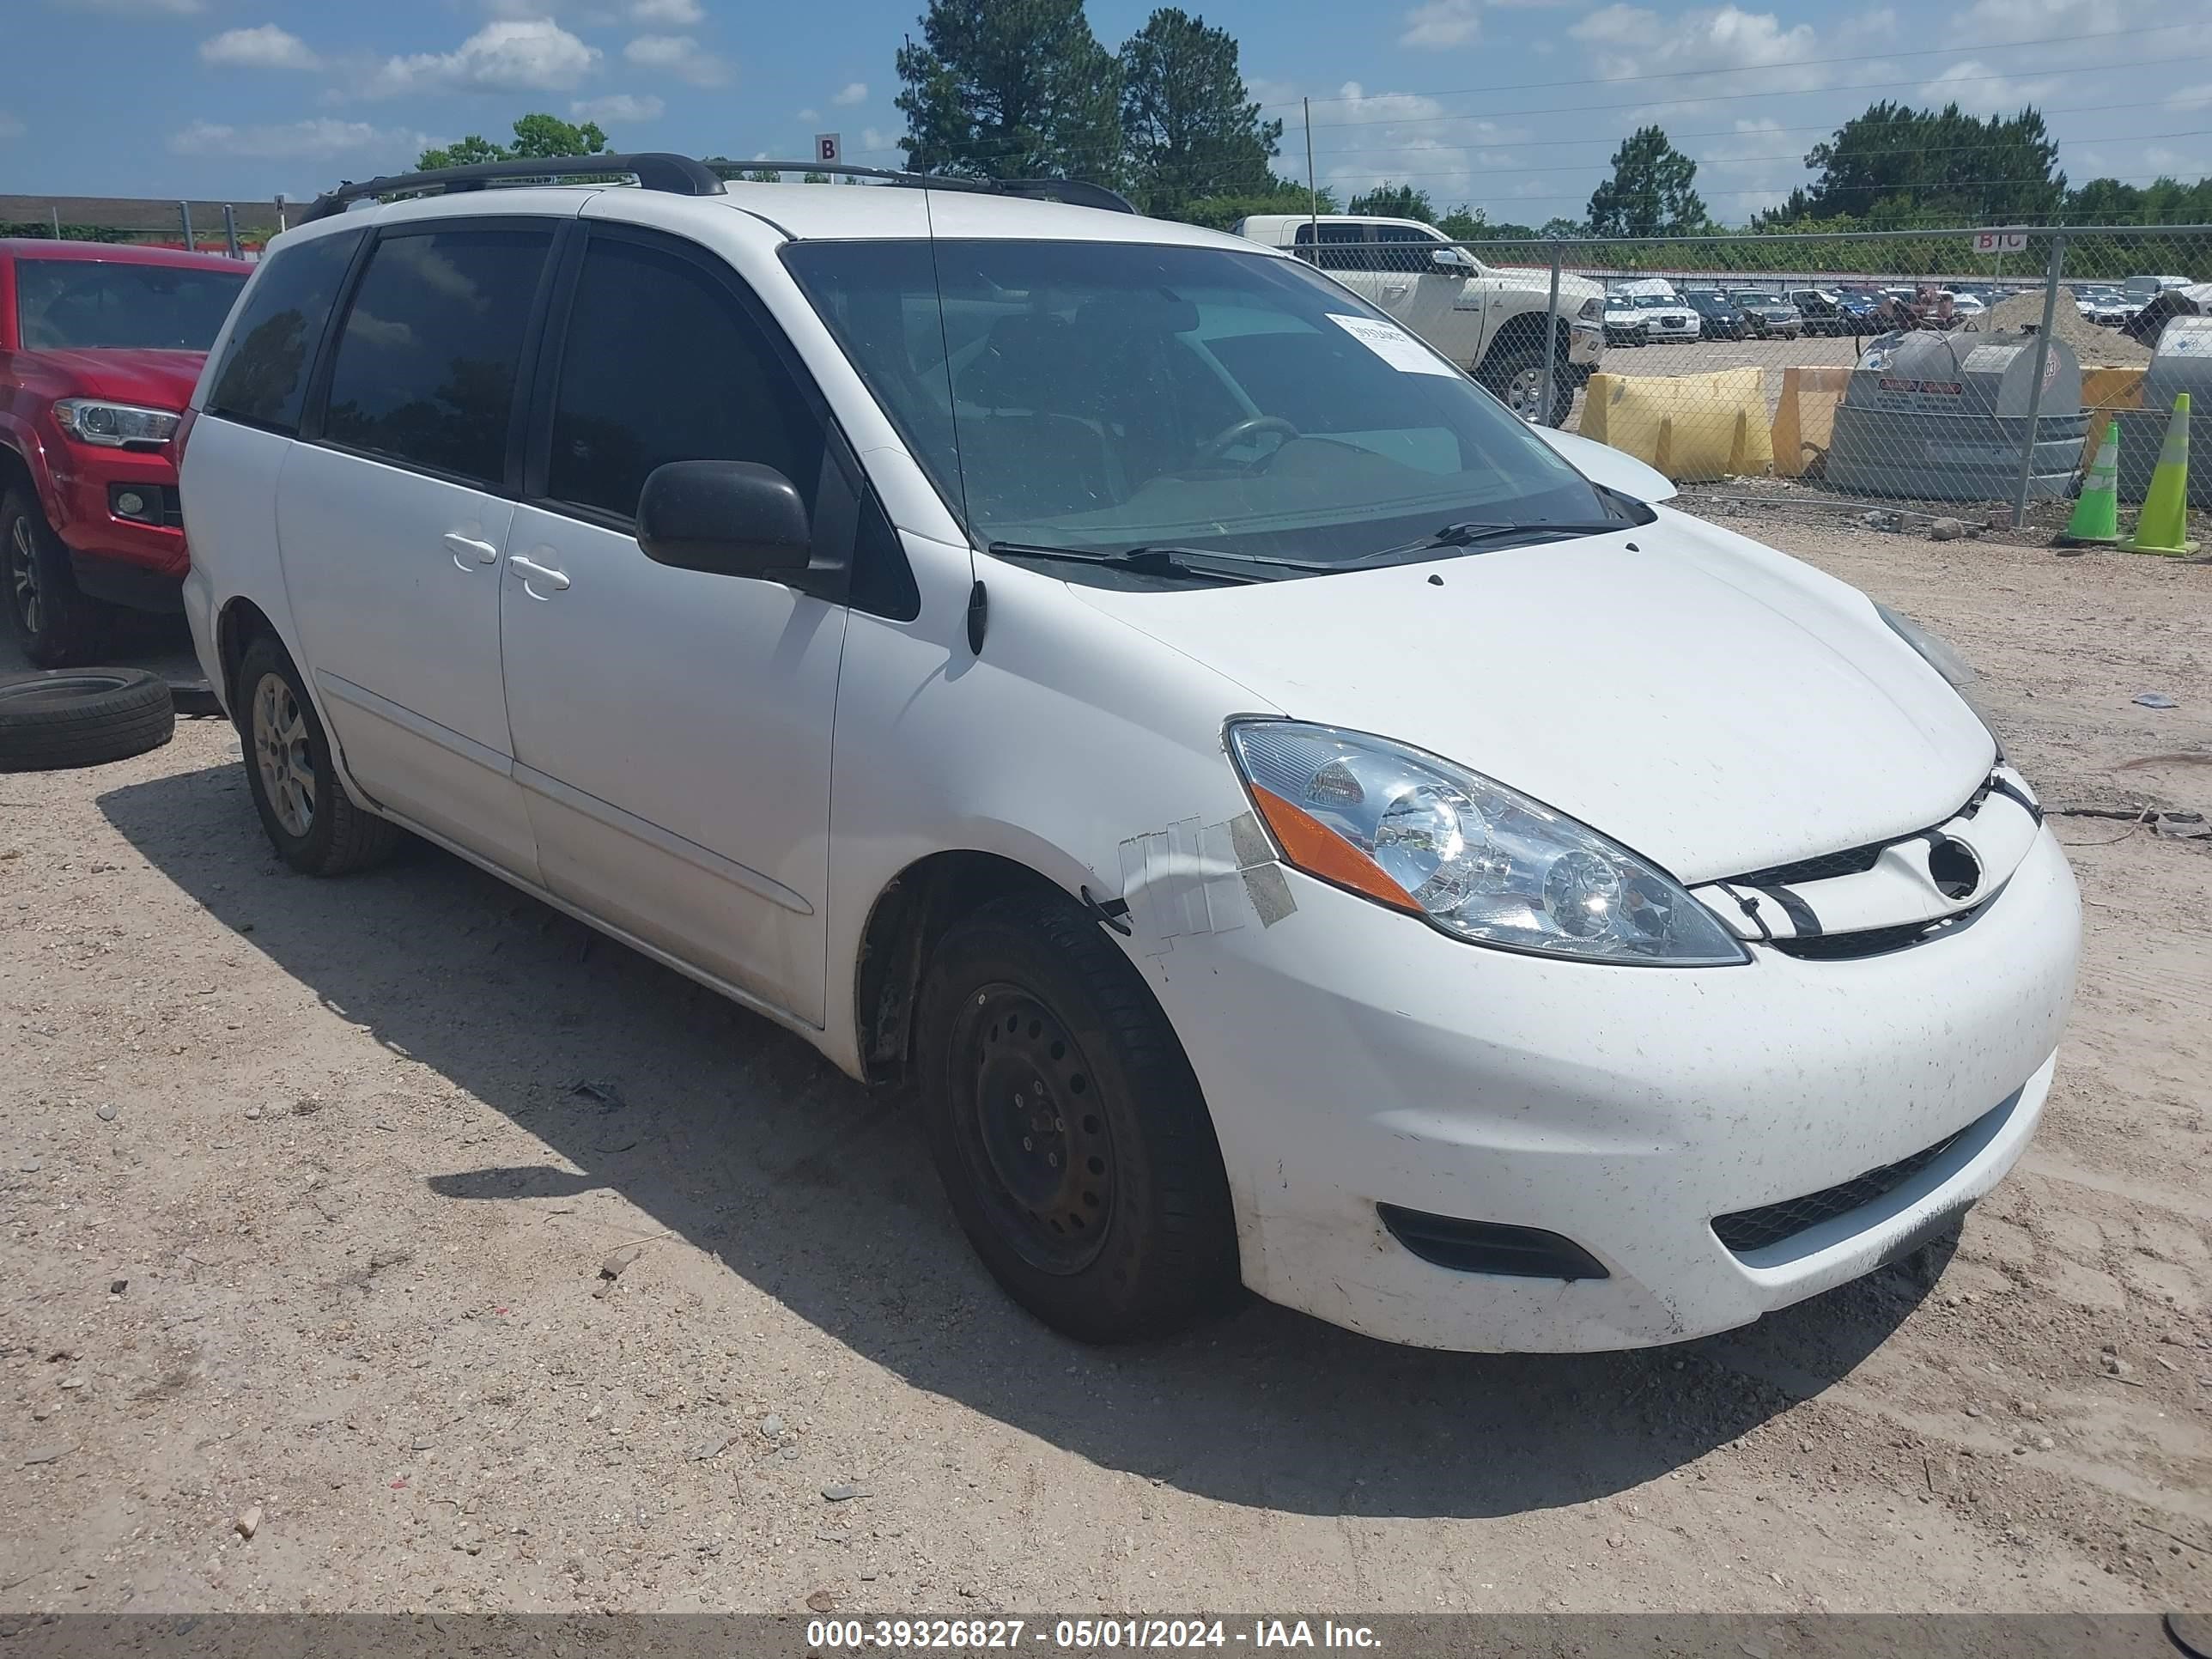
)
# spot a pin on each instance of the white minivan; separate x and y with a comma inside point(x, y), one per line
point(1290, 822)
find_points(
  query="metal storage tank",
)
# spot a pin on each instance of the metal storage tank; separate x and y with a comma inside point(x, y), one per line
point(2183, 363)
point(1944, 417)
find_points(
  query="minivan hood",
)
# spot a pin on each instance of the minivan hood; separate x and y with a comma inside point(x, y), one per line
point(156, 379)
point(1707, 701)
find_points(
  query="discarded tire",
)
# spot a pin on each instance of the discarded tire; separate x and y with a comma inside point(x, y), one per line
point(82, 717)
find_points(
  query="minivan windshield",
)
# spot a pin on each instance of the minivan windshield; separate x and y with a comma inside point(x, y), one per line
point(1100, 397)
point(100, 304)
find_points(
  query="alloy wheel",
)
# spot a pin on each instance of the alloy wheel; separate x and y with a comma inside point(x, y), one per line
point(282, 752)
point(23, 577)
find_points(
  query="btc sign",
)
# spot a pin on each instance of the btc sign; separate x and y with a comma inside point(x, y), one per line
point(2000, 241)
point(826, 147)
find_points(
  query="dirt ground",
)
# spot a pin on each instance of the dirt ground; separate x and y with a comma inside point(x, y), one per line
point(307, 1187)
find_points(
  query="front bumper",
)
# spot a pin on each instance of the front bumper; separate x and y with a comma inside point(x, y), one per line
point(112, 557)
point(1352, 1057)
point(1585, 345)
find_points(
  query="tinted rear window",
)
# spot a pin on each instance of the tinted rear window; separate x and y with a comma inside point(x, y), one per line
point(426, 362)
point(263, 377)
point(64, 305)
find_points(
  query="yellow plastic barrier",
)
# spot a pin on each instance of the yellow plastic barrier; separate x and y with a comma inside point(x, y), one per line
point(1805, 419)
point(2106, 391)
point(1688, 426)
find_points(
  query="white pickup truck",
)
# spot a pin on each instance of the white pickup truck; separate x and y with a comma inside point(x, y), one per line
point(1491, 322)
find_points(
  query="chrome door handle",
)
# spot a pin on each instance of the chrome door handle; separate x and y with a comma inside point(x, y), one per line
point(530, 571)
point(467, 551)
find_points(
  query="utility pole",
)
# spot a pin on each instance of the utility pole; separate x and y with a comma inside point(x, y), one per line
point(1312, 193)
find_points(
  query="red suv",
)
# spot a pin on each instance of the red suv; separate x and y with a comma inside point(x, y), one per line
point(100, 347)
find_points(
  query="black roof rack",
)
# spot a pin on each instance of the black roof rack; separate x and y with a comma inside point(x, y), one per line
point(1075, 192)
point(677, 175)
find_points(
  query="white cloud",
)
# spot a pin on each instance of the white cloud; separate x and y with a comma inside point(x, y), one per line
point(667, 14)
point(618, 106)
point(514, 54)
point(1443, 23)
point(1413, 140)
point(1753, 169)
point(875, 140)
point(2196, 97)
point(809, 115)
point(854, 92)
point(11, 126)
point(1720, 38)
point(266, 47)
point(1978, 90)
point(320, 136)
point(139, 8)
point(680, 56)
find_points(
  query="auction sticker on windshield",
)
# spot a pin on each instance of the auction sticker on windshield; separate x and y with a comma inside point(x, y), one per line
point(1393, 346)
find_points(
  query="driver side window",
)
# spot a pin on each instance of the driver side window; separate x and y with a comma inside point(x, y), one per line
point(1343, 246)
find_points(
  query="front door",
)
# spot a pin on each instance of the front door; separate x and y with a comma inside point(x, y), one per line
point(672, 728)
point(391, 514)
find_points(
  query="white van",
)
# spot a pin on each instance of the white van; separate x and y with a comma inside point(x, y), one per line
point(1283, 819)
point(1488, 320)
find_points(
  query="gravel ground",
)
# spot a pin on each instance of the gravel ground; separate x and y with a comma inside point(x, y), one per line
point(308, 1187)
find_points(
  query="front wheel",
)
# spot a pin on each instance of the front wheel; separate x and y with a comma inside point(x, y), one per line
point(58, 626)
point(1518, 381)
point(1068, 1127)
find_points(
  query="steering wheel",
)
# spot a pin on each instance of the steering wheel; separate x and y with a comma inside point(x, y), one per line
point(1237, 431)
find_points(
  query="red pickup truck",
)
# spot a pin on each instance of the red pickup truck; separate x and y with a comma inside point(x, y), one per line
point(100, 347)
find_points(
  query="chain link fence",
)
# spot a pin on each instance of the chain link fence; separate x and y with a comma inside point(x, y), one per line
point(1965, 373)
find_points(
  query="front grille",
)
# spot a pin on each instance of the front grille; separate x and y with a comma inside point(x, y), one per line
point(1852, 862)
point(1748, 1230)
point(1872, 941)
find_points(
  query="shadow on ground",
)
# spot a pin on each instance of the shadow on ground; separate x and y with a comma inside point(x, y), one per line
point(735, 1135)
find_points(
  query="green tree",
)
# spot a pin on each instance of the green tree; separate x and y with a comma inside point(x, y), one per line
point(1464, 223)
point(1280, 196)
point(761, 176)
point(1564, 228)
point(537, 135)
point(1188, 128)
point(1010, 89)
point(1389, 201)
point(1649, 193)
point(1896, 165)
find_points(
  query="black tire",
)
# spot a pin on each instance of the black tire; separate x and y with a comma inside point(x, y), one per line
point(1068, 1127)
point(310, 820)
point(1501, 371)
point(82, 717)
point(57, 626)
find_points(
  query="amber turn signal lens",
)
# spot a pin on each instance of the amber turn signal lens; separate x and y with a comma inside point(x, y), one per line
point(1318, 850)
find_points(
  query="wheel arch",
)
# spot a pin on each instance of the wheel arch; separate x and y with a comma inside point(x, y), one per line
point(240, 623)
point(907, 918)
point(1524, 331)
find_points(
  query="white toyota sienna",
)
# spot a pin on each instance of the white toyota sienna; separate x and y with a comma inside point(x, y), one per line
point(1291, 822)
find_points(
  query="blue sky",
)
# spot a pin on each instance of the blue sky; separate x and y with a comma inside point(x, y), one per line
point(1513, 105)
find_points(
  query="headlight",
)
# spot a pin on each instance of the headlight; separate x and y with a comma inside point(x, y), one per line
point(1937, 655)
point(1470, 857)
point(113, 425)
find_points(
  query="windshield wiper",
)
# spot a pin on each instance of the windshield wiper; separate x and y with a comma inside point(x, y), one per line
point(1470, 535)
point(1209, 563)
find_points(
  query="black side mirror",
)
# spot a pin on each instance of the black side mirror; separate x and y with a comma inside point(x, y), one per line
point(726, 517)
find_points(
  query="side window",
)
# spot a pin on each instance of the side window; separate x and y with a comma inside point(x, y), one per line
point(660, 364)
point(1402, 248)
point(263, 378)
point(1343, 246)
point(425, 366)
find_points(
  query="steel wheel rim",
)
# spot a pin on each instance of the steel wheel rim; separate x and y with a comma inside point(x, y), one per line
point(23, 576)
point(1524, 394)
point(281, 754)
point(1032, 1131)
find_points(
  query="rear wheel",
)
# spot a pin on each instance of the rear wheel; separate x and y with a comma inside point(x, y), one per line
point(308, 818)
point(57, 626)
point(1518, 379)
point(1067, 1127)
